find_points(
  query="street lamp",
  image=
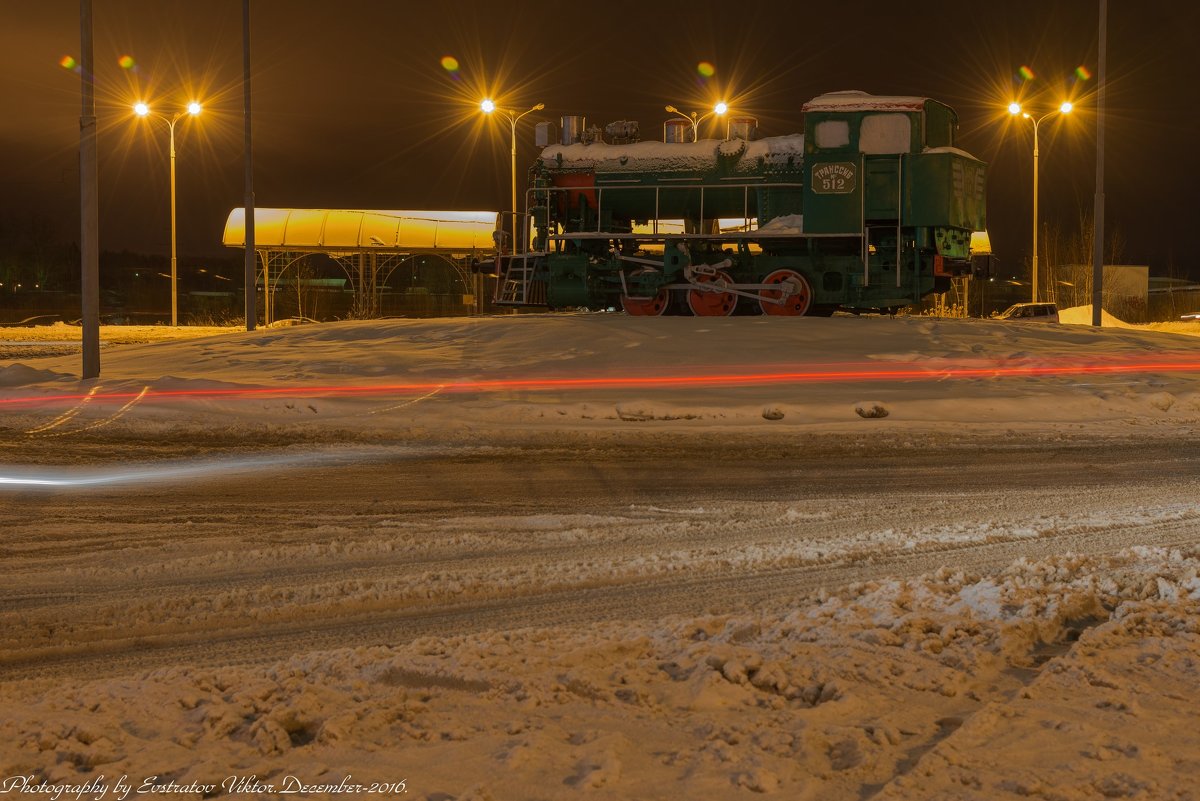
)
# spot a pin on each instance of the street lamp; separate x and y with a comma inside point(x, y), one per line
point(143, 110)
point(718, 109)
point(1015, 109)
point(489, 107)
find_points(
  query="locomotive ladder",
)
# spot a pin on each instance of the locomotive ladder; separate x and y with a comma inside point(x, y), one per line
point(516, 286)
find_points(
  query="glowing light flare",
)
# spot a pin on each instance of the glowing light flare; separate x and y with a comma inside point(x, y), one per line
point(487, 106)
point(126, 62)
point(825, 374)
point(1083, 73)
point(1066, 107)
point(1025, 73)
point(68, 63)
point(705, 69)
point(1014, 108)
point(720, 108)
point(450, 64)
point(141, 109)
point(193, 108)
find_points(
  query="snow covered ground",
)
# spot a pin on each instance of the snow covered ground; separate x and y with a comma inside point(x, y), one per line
point(918, 638)
point(591, 374)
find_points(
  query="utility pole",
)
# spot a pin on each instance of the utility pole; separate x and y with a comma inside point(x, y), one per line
point(89, 249)
point(251, 253)
point(1098, 203)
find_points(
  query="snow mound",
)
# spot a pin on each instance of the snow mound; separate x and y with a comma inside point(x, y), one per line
point(1082, 315)
point(19, 375)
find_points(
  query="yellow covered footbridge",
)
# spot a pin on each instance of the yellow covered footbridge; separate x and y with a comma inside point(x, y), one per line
point(367, 244)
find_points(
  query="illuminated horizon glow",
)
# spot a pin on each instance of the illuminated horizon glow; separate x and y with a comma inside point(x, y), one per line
point(620, 382)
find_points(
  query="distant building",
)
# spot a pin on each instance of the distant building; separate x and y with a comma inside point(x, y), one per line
point(1171, 297)
point(1126, 289)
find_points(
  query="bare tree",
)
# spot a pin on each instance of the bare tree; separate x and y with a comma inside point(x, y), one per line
point(1068, 266)
point(305, 295)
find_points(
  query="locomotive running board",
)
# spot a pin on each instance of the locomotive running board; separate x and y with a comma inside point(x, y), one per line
point(748, 235)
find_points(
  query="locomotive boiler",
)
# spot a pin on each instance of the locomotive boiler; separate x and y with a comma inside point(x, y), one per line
point(871, 208)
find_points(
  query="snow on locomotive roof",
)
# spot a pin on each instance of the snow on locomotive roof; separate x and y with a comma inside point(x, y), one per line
point(861, 101)
point(675, 156)
point(954, 150)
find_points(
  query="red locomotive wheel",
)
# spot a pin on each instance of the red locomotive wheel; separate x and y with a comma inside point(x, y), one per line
point(712, 304)
point(798, 295)
point(647, 307)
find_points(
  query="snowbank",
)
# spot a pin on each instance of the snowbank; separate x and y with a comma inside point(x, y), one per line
point(1082, 315)
point(593, 374)
point(1073, 675)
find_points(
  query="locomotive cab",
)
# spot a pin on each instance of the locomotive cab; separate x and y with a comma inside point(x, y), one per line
point(887, 168)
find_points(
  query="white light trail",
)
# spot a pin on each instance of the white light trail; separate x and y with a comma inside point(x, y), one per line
point(24, 477)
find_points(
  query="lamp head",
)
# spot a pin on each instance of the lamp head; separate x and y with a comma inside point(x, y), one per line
point(1014, 108)
point(141, 109)
point(193, 108)
point(487, 106)
point(1066, 107)
point(539, 107)
point(720, 108)
point(672, 109)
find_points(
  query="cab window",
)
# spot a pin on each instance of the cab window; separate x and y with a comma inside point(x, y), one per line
point(939, 125)
point(832, 133)
point(885, 134)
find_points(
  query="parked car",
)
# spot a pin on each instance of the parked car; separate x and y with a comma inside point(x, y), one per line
point(1036, 312)
point(31, 322)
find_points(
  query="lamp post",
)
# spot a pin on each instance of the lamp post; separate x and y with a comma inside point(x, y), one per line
point(143, 110)
point(1015, 109)
point(718, 109)
point(489, 107)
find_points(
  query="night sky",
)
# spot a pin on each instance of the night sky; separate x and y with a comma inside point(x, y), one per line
point(353, 108)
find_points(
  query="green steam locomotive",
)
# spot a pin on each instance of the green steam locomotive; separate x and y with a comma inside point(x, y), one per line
point(871, 208)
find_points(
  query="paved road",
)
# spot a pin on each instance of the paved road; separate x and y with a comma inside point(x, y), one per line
point(250, 564)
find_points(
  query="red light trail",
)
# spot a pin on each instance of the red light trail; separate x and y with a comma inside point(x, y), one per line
point(827, 375)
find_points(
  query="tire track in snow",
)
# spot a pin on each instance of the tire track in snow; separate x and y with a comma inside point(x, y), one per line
point(162, 599)
point(568, 606)
point(734, 533)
